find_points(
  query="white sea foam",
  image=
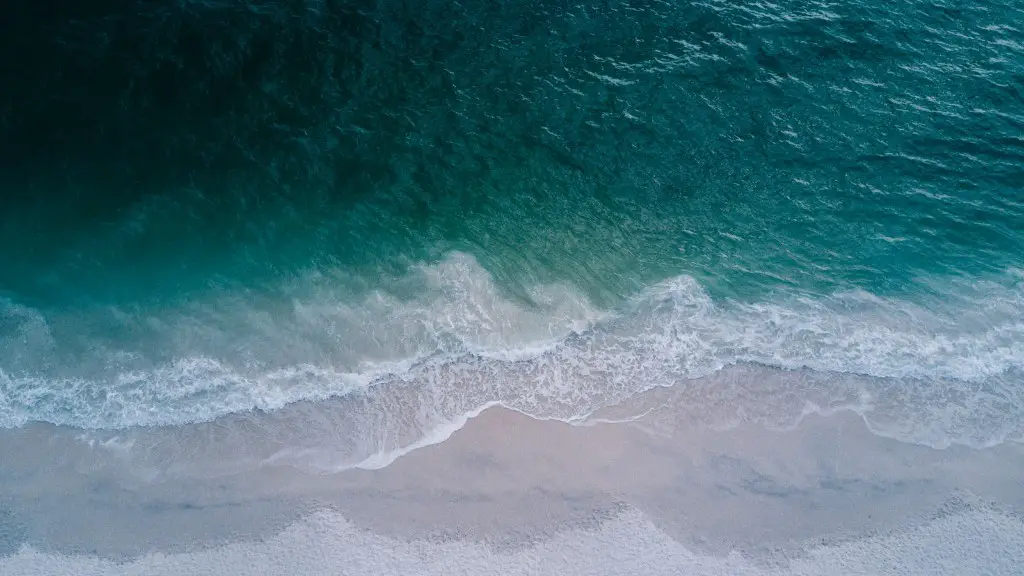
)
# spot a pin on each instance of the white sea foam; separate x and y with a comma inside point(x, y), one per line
point(439, 434)
point(946, 370)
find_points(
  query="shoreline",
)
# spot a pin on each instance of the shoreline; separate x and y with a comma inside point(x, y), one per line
point(511, 483)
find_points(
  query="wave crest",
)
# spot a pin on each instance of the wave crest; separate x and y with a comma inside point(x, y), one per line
point(463, 343)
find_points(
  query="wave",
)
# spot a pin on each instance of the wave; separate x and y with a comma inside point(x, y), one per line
point(946, 367)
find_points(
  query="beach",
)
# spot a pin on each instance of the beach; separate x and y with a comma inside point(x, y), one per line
point(641, 488)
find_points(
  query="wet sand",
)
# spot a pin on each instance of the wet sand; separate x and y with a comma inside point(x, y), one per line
point(511, 494)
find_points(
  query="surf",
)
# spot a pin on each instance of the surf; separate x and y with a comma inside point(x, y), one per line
point(462, 342)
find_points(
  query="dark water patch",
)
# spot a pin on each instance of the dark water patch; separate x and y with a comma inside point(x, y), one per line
point(152, 150)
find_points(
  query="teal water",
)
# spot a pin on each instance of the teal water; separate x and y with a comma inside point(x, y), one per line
point(214, 206)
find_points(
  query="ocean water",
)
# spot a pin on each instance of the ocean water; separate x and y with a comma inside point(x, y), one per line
point(211, 208)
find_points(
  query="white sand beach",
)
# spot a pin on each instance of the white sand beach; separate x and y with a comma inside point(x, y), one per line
point(508, 494)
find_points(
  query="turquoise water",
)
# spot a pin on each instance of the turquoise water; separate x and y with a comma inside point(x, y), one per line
point(216, 206)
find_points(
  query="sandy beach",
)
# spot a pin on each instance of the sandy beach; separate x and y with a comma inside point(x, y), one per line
point(506, 493)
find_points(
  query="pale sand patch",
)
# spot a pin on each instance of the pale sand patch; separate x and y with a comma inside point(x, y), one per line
point(506, 484)
point(747, 489)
